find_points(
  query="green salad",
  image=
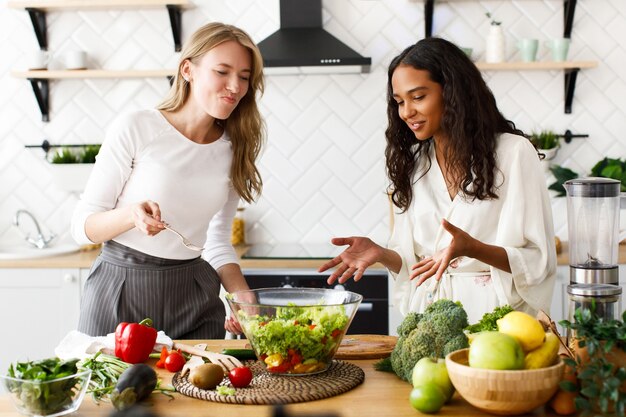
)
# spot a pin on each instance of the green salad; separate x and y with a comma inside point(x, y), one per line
point(45, 386)
point(297, 339)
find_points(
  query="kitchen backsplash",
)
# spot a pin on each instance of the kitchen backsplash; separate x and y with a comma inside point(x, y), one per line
point(323, 166)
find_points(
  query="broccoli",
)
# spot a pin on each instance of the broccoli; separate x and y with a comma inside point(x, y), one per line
point(435, 333)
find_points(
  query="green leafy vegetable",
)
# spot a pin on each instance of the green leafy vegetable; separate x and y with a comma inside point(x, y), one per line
point(488, 321)
point(45, 386)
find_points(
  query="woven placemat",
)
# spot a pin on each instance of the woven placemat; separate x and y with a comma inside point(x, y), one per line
point(266, 388)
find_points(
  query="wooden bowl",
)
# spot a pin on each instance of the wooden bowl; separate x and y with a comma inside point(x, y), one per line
point(503, 392)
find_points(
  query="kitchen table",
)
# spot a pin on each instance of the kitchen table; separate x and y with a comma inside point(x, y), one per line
point(381, 394)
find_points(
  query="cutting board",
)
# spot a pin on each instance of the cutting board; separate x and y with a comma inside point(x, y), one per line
point(366, 346)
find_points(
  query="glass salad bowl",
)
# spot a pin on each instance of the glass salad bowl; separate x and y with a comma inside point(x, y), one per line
point(294, 331)
point(53, 397)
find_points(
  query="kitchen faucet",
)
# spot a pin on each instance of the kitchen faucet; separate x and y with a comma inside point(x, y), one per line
point(40, 241)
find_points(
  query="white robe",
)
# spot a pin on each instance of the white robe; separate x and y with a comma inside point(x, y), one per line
point(520, 221)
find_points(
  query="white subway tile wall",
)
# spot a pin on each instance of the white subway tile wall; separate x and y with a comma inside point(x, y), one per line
point(323, 166)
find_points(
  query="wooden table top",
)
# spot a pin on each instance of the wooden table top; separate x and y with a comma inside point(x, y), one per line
point(381, 394)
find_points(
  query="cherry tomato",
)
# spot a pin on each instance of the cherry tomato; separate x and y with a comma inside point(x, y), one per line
point(240, 377)
point(174, 361)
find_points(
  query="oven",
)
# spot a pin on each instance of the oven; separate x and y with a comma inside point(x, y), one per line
point(372, 316)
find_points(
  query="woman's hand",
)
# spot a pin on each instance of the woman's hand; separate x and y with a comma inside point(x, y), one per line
point(146, 217)
point(436, 265)
point(361, 254)
point(232, 325)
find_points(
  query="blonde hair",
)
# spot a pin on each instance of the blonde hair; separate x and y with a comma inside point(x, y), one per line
point(244, 126)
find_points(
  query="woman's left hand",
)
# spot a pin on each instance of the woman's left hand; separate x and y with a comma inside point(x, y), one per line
point(460, 245)
point(232, 325)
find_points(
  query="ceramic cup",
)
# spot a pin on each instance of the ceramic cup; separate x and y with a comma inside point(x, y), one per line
point(38, 60)
point(75, 60)
point(559, 48)
point(528, 49)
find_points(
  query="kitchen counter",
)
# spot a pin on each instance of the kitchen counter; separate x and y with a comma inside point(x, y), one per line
point(85, 260)
point(381, 394)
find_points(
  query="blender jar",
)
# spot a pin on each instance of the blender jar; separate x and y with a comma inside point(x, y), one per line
point(593, 229)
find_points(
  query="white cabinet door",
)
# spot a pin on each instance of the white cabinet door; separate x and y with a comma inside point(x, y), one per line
point(38, 308)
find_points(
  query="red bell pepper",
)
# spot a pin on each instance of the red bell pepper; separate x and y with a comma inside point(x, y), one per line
point(161, 362)
point(135, 341)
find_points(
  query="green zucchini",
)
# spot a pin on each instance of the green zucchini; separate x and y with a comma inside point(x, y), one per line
point(241, 354)
point(134, 384)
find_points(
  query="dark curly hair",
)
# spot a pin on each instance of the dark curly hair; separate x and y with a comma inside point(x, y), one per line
point(471, 120)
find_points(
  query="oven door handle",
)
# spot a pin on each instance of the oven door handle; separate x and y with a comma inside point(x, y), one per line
point(365, 307)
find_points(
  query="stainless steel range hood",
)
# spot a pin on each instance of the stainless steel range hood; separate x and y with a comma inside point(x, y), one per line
point(301, 45)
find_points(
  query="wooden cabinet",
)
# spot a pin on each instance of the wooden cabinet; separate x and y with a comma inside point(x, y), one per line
point(38, 306)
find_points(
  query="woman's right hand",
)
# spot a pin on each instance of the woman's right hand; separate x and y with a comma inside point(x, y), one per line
point(361, 253)
point(146, 216)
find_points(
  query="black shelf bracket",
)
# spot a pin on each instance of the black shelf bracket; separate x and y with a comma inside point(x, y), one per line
point(569, 7)
point(568, 136)
point(46, 145)
point(429, 7)
point(38, 19)
point(41, 89)
point(570, 85)
point(176, 22)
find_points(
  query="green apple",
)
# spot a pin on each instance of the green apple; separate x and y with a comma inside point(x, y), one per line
point(433, 370)
point(495, 350)
point(427, 398)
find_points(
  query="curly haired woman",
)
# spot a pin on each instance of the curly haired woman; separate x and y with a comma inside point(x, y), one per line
point(473, 221)
point(186, 163)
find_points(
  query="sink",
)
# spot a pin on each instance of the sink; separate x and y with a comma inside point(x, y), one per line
point(23, 250)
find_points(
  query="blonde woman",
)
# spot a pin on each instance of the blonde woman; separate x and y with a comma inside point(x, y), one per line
point(186, 164)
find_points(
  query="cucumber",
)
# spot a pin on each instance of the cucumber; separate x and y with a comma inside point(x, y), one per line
point(134, 384)
point(241, 354)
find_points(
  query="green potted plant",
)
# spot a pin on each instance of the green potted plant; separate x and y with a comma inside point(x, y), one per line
point(71, 167)
point(599, 361)
point(546, 142)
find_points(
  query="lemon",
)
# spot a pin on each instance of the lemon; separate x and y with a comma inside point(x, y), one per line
point(545, 355)
point(523, 327)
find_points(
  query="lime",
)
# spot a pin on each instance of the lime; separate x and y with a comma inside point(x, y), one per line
point(427, 398)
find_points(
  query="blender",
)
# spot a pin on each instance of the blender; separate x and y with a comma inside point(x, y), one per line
point(593, 230)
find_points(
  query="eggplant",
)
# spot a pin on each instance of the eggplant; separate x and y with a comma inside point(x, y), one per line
point(134, 384)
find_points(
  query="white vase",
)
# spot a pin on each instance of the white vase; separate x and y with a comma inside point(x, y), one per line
point(495, 44)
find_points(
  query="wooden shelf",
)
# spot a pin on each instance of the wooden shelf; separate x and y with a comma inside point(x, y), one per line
point(537, 65)
point(96, 73)
point(40, 80)
point(94, 4)
point(37, 12)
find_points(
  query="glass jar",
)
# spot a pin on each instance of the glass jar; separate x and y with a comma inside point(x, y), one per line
point(237, 236)
point(606, 298)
